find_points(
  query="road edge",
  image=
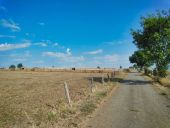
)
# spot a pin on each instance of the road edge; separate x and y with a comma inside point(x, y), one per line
point(87, 118)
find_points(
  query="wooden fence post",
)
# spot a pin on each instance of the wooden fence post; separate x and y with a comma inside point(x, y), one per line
point(108, 77)
point(102, 80)
point(91, 85)
point(67, 94)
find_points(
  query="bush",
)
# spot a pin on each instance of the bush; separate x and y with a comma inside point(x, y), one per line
point(12, 67)
point(19, 65)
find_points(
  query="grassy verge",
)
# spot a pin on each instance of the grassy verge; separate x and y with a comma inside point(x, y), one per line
point(88, 106)
point(163, 89)
point(163, 81)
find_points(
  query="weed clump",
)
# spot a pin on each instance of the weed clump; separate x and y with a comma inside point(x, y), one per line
point(87, 107)
point(100, 95)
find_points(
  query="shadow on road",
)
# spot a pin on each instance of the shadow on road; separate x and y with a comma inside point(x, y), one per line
point(135, 82)
point(99, 79)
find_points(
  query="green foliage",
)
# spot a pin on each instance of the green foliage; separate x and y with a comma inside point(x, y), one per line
point(154, 37)
point(141, 58)
point(51, 116)
point(135, 66)
point(19, 65)
point(12, 67)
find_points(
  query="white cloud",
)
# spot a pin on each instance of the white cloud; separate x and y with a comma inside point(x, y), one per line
point(68, 51)
point(119, 42)
point(58, 45)
point(106, 59)
point(41, 44)
point(6, 46)
point(95, 52)
point(109, 60)
point(7, 36)
point(56, 54)
point(41, 23)
point(65, 57)
point(10, 24)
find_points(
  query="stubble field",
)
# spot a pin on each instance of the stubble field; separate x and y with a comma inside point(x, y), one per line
point(37, 99)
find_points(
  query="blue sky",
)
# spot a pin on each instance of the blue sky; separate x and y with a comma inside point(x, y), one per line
point(70, 33)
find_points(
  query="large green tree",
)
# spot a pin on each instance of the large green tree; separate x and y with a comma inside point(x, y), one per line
point(155, 38)
point(141, 58)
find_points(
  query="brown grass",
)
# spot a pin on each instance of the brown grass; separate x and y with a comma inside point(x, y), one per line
point(164, 82)
point(36, 99)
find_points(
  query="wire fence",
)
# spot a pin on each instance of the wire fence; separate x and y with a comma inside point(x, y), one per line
point(91, 82)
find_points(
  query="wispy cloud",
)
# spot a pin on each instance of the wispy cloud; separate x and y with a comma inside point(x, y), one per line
point(10, 24)
point(18, 57)
point(7, 36)
point(119, 42)
point(64, 57)
point(41, 44)
point(95, 52)
point(56, 54)
point(58, 45)
point(7, 46)
point(110, 60)
point(41, 23)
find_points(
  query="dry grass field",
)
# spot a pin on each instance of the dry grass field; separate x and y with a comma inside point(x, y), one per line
point(37, 99)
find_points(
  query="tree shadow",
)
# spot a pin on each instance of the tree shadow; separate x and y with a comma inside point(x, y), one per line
point(99, 79)
point(135, 82)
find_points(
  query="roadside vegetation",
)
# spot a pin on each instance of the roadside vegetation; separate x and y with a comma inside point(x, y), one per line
point(153, 43)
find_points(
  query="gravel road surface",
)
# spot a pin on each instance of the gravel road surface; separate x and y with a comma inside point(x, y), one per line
point(135, 104)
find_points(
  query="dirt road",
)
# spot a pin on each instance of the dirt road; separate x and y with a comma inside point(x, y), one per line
point(136, 104)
